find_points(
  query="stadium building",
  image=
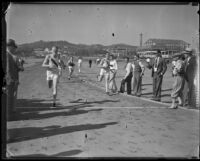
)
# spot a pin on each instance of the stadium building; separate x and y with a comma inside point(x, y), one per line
point(168, 47)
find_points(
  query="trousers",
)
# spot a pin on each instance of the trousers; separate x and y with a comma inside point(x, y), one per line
point(137, 83)
point(157, 86)
point(11, 96)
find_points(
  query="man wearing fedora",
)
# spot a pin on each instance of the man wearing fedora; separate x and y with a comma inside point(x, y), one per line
point(159, 67)
point(14, 65)
point(190, 70)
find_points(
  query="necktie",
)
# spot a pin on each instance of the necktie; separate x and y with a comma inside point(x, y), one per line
point(156, 62)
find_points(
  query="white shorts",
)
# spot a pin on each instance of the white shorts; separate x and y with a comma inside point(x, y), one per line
point(70, 67)
point(51, 75)
point(103, 72)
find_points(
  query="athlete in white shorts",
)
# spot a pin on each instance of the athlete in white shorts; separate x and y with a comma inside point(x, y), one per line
point(52, 63)
point(79, 64)
point(104, 71)
point(70, 67)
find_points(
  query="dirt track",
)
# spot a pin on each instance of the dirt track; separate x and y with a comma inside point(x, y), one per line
point(113, 126)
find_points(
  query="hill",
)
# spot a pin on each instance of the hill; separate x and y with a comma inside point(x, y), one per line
point(70, 48)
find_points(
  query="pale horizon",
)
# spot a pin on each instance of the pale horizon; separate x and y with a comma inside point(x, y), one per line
point(94, 24)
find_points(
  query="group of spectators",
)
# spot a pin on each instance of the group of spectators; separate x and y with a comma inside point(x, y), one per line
point(132, 79)
point(183, 72)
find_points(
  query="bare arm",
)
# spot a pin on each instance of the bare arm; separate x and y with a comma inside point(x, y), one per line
point(128, 71)
point(46, 62)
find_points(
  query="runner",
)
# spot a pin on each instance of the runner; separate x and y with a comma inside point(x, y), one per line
point(113, 71)
point(104, 71)
point(70, 67)
point(51, 62)
point(79, 64)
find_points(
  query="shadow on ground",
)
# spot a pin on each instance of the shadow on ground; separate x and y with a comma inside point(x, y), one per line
point(34, 103)
point(61, 154)
point(92, 102)
point(29, 133)
point(36, 115)
point(31, 109)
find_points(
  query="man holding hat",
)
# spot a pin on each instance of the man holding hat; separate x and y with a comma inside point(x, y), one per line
point(159, 67)
point(190, 69)
point(138, 72)
point(14, 65)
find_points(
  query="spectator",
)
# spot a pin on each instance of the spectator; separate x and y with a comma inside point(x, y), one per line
point(177, 89)
point(127, 78)
point(138, 72)
point(14, 66)
point(190, 70)
point(159, 68)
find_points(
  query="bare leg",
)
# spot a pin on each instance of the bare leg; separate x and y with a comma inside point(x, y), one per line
point(173, 103)
point(106, 82)
point(70, 73)
point(180, 102)
point(55, 83)
point(100, 77)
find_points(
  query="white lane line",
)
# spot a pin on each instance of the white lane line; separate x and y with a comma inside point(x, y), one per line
point(142, 98)
point(137, 107)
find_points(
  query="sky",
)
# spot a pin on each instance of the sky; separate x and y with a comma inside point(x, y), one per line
point(96, 23)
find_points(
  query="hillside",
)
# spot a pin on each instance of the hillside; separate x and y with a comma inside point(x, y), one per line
point(70, 48)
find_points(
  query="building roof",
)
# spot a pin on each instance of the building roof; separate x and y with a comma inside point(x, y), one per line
point(167, 41)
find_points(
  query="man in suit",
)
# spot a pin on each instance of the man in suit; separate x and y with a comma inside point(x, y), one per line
point(14, 66)
point(190, 71)
point(159, 67)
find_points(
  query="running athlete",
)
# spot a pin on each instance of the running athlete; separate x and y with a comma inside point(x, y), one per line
point(104, 71)
point(70, 67)
point(79, 64)
point(51, 62)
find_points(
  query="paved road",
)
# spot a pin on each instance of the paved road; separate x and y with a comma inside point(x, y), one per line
point(108, 126)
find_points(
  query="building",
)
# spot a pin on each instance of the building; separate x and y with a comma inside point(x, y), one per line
point(168, 47)
point(117, 51)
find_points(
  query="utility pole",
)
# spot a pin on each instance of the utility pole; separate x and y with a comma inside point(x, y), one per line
point(141, 40)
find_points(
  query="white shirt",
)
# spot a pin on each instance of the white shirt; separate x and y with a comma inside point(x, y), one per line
point(79, 61)
point(140, 64)
point(129, 67)
point(113, 64)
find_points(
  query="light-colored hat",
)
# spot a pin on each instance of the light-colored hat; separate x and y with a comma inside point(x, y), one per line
point(187, 51)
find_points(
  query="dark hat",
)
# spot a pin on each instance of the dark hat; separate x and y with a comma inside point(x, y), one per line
point(136, 56)
point(158, 51)
point(11, 42)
